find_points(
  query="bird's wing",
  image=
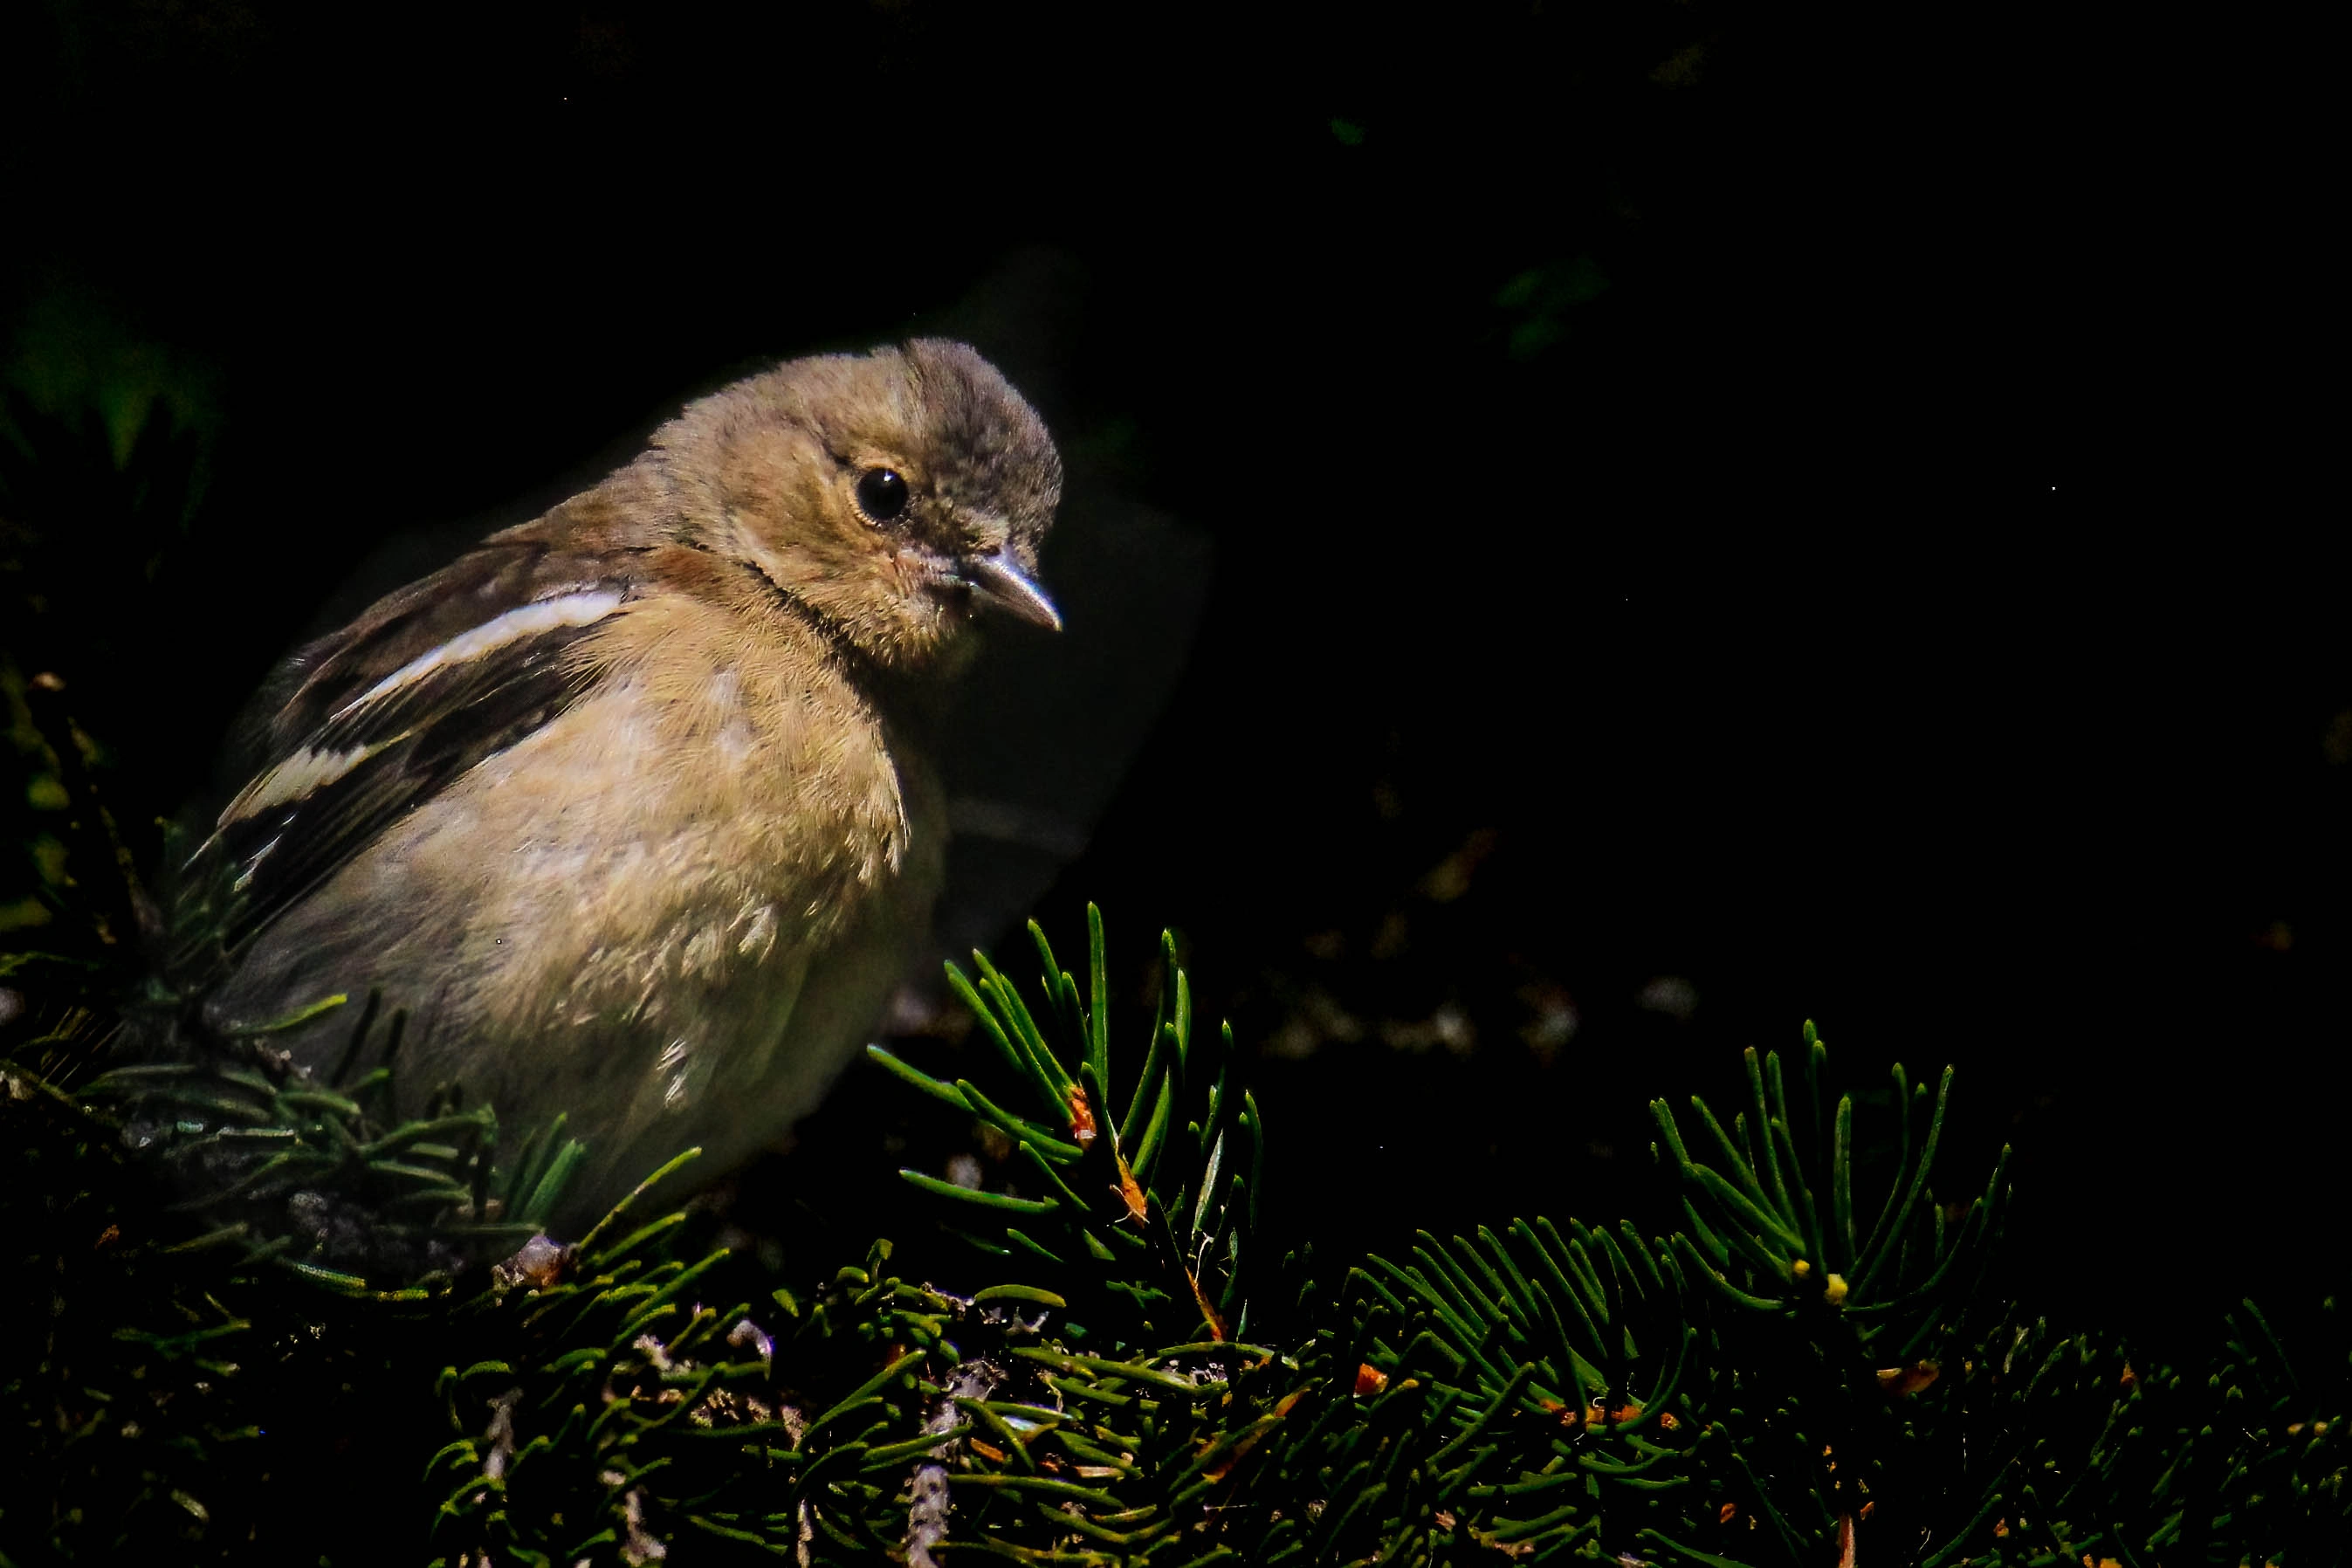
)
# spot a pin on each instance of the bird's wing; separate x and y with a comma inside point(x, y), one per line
point(369, 723)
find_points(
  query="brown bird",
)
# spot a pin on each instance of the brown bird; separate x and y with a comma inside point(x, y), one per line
point(620, 809)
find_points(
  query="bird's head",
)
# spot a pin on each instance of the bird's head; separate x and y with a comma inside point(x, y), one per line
point(891, 493)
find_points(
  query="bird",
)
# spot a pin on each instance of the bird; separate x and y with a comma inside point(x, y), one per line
point(623, 814)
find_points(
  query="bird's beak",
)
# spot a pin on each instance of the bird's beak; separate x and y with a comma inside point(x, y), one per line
point(1003, 585)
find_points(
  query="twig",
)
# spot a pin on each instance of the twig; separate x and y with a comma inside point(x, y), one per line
point(926, 1515)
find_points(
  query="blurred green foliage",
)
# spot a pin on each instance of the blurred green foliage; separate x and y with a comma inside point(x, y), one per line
point(106, 441)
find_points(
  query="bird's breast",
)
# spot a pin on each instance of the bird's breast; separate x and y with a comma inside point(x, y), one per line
point(686, 836)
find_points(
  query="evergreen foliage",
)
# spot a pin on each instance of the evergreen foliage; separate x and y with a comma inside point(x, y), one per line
point(1806, 1371)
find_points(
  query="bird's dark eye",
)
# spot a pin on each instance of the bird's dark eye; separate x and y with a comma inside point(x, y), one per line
point(881, 494)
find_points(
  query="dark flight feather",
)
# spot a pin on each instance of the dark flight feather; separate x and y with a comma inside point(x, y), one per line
point(374, 722)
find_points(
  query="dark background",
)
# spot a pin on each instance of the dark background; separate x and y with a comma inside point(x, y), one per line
point(1596, 533)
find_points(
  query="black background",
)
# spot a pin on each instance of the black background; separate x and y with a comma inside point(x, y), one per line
point(1894, 598)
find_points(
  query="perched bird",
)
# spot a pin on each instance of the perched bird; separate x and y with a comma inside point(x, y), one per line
point(621, 810)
